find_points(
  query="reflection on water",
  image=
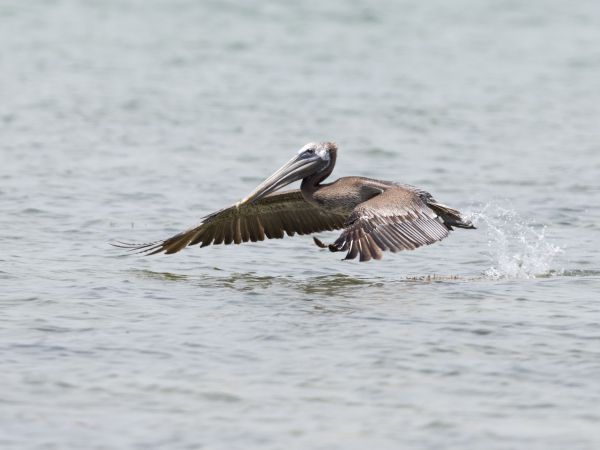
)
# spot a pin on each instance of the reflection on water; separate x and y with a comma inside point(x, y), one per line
point(237, 281)
point(336, 284)
point(166, 276)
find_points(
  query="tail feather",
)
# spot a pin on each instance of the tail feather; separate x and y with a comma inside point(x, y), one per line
point(451, 217)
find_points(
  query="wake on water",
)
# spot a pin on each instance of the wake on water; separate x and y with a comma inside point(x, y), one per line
point(516, 248)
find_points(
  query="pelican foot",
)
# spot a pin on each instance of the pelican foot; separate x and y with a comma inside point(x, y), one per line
point(320, 243)
point(331, 247)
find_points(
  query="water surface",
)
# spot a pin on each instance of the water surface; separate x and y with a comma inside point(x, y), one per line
point(130, 120)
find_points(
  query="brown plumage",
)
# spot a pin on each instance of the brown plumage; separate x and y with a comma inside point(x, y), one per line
point(375, 216)
point(270, 217)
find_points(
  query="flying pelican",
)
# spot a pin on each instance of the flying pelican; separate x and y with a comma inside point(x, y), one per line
point(374, 215)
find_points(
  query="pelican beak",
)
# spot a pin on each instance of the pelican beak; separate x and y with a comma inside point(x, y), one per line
point(295, 169)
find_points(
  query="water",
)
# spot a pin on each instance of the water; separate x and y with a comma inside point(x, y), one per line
point(130, 120)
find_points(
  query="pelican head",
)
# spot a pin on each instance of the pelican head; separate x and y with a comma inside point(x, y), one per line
point(311, 159)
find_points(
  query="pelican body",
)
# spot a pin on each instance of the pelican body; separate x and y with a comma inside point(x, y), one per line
point(375, 216)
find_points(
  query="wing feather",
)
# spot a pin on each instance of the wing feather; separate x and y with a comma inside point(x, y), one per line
point(397, 219)
point(272, 217)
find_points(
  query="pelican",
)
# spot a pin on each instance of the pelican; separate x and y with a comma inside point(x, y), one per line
point(375, 215)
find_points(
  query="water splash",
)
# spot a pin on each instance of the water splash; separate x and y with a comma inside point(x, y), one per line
point(517, 249)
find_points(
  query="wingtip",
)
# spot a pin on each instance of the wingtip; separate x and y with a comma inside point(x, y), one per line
point(146, 249)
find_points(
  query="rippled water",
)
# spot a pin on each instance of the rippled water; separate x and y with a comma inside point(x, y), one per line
point(130, 120)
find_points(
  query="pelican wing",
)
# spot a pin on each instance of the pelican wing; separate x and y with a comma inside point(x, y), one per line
point(399, 218)
point(272, 216)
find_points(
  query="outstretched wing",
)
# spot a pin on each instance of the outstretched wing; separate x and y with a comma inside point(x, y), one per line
point(271, 217)
point(397, 219)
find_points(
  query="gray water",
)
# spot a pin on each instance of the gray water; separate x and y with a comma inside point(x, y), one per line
point(123, 119)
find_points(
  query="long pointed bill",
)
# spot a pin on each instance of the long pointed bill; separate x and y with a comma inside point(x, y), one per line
point(295, 169)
